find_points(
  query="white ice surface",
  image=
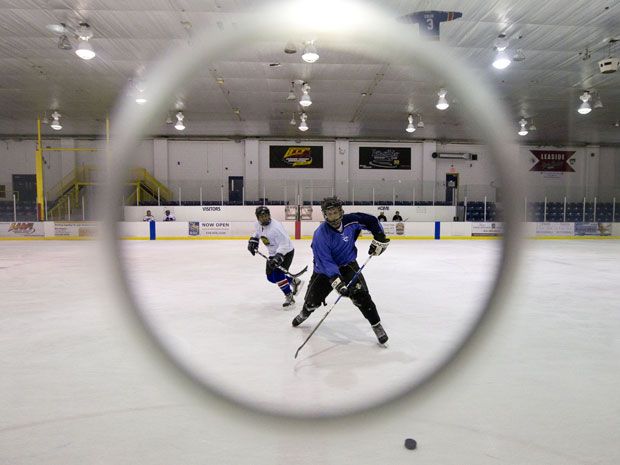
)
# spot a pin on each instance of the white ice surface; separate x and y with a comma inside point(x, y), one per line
point(213, 305)
point(76, 386)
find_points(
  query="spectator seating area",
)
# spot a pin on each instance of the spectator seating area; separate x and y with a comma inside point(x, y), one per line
point(475, 211)
point(26, 211)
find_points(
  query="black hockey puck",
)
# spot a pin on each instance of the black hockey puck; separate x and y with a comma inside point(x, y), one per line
point(410, 444)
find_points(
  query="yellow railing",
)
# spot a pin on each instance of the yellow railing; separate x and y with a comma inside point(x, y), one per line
point(82, 174)
point(145, 187)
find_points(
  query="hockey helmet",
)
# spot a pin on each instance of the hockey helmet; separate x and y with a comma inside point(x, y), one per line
point(332, 211)
point(263, 212)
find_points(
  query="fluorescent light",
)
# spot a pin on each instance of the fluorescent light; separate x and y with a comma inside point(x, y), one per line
point(502, 60)
point(410, 127)
point(179, 126)
point(85, 50)
point(442, 103)
point(56, 121)
point(305, 100)
point(585, 107)
point(310, 54)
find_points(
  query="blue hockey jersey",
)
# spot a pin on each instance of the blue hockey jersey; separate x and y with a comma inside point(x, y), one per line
point(334, 248)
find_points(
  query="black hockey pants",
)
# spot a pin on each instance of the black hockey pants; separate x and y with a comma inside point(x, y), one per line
point(320, 287)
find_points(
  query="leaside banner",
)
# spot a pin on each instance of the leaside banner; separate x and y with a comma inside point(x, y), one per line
point(553, 160)
point(295, 156)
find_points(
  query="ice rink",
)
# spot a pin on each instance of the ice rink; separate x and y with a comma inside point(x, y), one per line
point(78, 386)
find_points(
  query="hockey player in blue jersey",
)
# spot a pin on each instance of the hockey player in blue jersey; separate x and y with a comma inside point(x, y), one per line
point(281, 251)
point(335, 254)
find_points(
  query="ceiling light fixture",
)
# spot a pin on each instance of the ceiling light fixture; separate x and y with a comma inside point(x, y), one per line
point(310, 54)
point(303, 126)
point(442, 103)
point(291, 92)
point(290, 47)
point(518, 55)
point(305, 100)
point(523, 131)
point(420, 122)
point(532, 126)
point(585, 107)
point(293, 122)
point(502, 60)
point(85, 49)
point(63, 43)
point(410, 127)
point(56, 126)
point(179, 126)
point(597, 101)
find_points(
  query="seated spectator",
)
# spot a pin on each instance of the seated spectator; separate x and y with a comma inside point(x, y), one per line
point(169, 216)
point(397, 216)
point(149, 216)
point(381, 217)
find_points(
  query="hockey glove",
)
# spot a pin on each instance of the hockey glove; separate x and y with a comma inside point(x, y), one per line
point(340, 286)
point(253, 245)
point(378, 245)
point(276, 260)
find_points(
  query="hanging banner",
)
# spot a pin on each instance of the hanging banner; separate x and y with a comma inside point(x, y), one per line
point(385, 158)
point(429, 21)
point(553, 160)
point(286, 156)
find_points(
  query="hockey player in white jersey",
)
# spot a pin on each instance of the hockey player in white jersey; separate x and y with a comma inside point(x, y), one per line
point(272, 234)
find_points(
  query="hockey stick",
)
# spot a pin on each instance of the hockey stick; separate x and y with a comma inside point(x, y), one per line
point(284, 270)
point(353, 279)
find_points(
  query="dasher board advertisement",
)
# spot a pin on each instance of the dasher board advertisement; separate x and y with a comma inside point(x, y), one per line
point(295, 156)
point(22, 229)
point(487, 229)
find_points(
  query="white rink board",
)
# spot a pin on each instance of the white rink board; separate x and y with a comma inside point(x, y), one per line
point(246, 213)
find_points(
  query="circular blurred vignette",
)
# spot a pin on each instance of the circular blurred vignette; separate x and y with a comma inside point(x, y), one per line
point(381, 36)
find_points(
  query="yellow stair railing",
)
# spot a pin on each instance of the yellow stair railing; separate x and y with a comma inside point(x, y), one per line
point(145, 187)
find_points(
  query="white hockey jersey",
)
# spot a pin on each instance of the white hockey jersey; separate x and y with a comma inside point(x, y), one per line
point(274, 237)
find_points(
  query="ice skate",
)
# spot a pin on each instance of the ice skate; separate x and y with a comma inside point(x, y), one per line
point(288, 300)
point(382, 337)
point(303, 316)
point(296, 285)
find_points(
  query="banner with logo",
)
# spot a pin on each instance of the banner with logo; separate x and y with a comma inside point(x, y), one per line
point(487, 229)
point(385, 158)
point(593, 229)
point(295, 156)
point(22, 229)
point(552, 160)
point(62, 229)
point(555, 229)
point(212, 228)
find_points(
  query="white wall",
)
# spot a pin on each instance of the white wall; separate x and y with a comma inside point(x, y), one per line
point(192, 164)
point(206, 164)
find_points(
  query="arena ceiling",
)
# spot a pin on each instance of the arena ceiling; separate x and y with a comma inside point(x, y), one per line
point(560, 44)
